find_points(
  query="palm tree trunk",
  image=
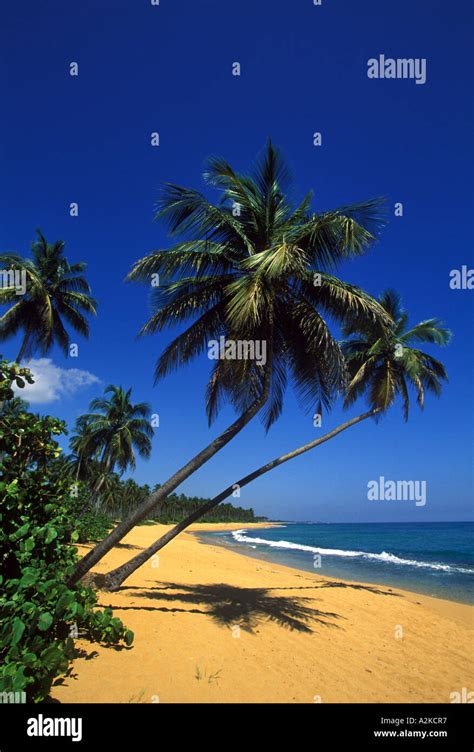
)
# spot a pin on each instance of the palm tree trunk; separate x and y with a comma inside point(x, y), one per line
point(150, 504)
point(95, 498)
point(114, 578)
point(21, 353)
point(106, 467)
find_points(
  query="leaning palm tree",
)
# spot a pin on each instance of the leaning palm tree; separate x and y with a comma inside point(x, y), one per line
point(252, 269)
point(112, 433)
point(56, 294)
point(382, 363)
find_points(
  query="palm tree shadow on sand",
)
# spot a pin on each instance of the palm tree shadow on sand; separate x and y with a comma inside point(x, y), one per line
point(231, 606)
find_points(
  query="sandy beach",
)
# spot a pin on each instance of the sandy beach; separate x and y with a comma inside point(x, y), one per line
point(212, 625)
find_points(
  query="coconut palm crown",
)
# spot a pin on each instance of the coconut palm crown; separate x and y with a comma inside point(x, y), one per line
point(383, 362)
point(255, 267)
point(114, 431)
point(57, 294)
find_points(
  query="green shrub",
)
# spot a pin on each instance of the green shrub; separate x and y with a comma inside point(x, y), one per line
point(89, 524)
point(93, 527)
point(39, 614)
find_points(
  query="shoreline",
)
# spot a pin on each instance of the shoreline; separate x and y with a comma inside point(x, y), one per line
point(264, 556)
point(211, 626)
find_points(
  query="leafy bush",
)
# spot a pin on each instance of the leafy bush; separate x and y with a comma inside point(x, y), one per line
point(39, 614)
point(90, 525)
point(93, 527)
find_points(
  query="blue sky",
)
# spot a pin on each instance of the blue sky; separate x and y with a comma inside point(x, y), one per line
point(168, 68)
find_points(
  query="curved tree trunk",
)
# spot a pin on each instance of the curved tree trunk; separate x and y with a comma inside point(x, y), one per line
point(150, 504)
point(24, 344)
point(113, 579)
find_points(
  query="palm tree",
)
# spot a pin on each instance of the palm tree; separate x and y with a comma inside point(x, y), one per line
point(112, 433)
point(56, 294)
point(382, 364)
point(12, 408)
point(252, 268)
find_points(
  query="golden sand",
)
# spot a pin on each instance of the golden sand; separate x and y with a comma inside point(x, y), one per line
point(212, 625)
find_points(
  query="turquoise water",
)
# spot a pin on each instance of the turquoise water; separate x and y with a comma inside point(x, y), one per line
point(433, 558)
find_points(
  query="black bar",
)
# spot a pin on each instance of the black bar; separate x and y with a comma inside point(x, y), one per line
point(346, 726)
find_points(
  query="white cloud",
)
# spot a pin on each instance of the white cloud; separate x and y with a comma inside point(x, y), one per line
point(52, 382)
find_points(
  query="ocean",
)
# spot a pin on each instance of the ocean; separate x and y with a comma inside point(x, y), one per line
point(432, 558)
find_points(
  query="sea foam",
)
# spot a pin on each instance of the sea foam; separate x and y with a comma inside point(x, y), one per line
point(241, 537)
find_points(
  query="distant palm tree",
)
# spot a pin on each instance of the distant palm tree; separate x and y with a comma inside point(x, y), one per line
point(12, 408)
point(56, 294)
point(382, 364)
point(110, 492)
point(113, 433)
point(64, 468)
point(252, 268)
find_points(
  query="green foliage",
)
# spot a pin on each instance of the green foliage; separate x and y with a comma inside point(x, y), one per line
point(178, 508)
point(57, 294)
point(12, 375)
point(111, 434)
point(383, 362)
point(89, 525)
point(93, 512)
point(93, 525)
point(263, 272)
point(39, 614)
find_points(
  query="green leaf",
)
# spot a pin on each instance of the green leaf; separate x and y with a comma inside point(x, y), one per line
point(19, 681)
point(128, 637)
point(28, 579)
point(28, 659)
point(20, 532)
point(18, 627)
point(64, 602)
point(51, 535)
point(51, 657)
point(45, 621)
point(29, 544)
